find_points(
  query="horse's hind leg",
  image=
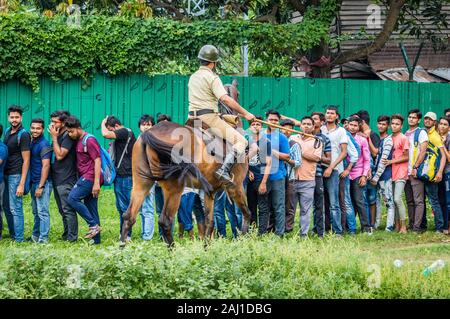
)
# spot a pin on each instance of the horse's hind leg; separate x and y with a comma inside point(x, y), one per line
point(141, 188)
point(237, 194)
point(172, 196)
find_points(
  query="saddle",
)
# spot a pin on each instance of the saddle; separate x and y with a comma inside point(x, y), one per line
point(211, 141)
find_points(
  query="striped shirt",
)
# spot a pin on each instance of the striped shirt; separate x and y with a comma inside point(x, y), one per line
point(385, 152)
point(295, 153)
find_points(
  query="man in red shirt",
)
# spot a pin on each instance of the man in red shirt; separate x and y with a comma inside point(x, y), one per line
point(84, 196)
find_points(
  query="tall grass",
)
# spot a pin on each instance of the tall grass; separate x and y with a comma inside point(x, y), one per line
point(250, 267)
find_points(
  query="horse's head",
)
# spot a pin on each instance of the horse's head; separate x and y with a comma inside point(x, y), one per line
point(232, 90)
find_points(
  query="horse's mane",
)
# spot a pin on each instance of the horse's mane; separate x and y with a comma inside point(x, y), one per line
point(181, 167)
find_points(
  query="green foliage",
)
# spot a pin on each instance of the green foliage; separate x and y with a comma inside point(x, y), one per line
point(32, 46)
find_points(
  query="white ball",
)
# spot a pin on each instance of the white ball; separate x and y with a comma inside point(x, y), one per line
point(398, 263)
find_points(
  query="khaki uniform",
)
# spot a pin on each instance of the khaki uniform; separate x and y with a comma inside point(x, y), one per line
point(205, 90)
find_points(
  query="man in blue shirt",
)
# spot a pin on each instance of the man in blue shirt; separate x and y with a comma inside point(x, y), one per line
point(3, 158)
point(41, 154)
point(280, 154)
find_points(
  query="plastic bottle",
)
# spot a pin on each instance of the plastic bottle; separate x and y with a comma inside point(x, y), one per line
point(438, 264)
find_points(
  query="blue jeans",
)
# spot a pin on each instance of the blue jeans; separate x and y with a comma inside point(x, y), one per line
point(198, 208)
point(148, 215)
point(432, 193)
point(221, 203)
point(41, 211)
point(371, 199)
point(446, 199)
point(278, 204)
point(2, 191)
point(185, 211)
point(350, 212)
point(13, 206)
point(332, 187)
point(122, 190)
point(81, 199)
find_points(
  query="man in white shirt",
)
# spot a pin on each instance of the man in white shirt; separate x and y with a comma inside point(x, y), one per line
point(339, 142)
point(415, 188)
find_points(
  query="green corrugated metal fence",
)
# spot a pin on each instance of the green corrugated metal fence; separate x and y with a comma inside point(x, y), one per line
point(130, 96)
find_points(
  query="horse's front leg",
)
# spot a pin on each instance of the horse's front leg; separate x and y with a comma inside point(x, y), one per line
point(238, 196)
point(209, 217)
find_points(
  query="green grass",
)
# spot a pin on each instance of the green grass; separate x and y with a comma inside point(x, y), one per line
point(250, 267)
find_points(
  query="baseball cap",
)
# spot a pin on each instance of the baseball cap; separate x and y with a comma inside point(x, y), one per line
point(431, 115)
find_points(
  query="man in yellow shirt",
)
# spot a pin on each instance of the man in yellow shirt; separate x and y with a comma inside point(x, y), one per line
point(432, 187)
point(205, 91)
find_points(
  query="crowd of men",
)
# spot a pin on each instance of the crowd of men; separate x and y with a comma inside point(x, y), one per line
point(339, 169)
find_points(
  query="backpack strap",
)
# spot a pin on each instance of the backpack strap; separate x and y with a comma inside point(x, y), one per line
point(125, 150)
point(84, 141)
point(416, 136)
point(19, 134)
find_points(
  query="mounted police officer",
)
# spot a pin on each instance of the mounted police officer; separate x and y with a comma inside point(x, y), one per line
point(205, 91)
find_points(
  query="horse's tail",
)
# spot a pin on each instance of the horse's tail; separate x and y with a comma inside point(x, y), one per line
point(171, 169)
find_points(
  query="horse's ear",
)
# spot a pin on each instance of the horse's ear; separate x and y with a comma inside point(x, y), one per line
point(234, 83)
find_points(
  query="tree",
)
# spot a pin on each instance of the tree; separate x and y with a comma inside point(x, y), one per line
point(409, 17)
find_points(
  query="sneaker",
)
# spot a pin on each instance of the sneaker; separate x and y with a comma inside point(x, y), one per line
point(43, 242)
point(93, 231)
point(128, 240)
point(92, 242)
point(33, 239)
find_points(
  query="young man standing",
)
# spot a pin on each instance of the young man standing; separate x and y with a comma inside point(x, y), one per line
point(280, 154)
point(41, 154)
point(358, 173)
point(444, 185)
point(3, 159)
point(64, 172)
point(431, 188)
point(382, 176)
point(373, 209)
point(259, 172)
point(348, 218)
point(305, 174)
point(148, 206)
point(16, 170)
point(121, 150)
point(415, 188)
point(318, 212)
point(291, 165)
point(84, 196)
point(399, 164)
point(339, 141)
point(447, 112)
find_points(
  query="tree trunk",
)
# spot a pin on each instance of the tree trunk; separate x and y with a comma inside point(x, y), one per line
point(395, 7)
point(316, 53)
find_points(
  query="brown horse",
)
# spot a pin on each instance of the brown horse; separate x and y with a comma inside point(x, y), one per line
point(177, 156)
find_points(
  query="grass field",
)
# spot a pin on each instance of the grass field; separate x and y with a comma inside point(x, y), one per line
point(250, 267)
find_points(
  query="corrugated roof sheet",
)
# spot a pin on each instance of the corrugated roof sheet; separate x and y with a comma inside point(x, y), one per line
point(402, 74)
point(441, 72)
